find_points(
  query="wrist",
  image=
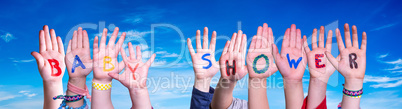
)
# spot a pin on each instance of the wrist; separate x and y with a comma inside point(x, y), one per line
point(202, 84)
point(138, 91)
point(320, 82)
point(226, 83)
point(353, 84)
point(257, 83)
point(101, 81)
point(78, 81)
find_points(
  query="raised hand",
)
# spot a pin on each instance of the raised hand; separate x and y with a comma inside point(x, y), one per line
point(319, 66)
point(78, 57)
point(351, 64)
point(260, 62)
point(232, 61)
point(292, 60)
point(204, 63)
point(136, 71)
point(291, 64)
point(50, 60)
point(105, 57)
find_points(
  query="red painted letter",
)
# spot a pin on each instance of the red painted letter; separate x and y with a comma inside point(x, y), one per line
point(133, 70)
point(54, 64)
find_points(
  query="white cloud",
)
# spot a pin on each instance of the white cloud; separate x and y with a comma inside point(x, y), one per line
point(7, 37)
point(387, 85)
point(6, 96)
point(383, 82)
point(383, 55)
point(23, 61)
point(166, 54)
point(385, 26)
point(144, 15)
point(399, 61)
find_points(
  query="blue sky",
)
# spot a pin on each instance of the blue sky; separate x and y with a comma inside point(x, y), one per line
point(20, 22)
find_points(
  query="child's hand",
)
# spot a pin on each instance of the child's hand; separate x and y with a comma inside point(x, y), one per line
point(78, 54)
point(50, 58)
point(204, 63)
point(261, 47)
point(319, 66)
point(292, 60)
point(105, 57)
point(352, 63)
point(136, 71)
point(232, 61)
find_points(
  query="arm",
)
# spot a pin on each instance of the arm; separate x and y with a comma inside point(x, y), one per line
point(260, 65)
point(135, 77)
point(105, 61)
point(352, 64)
point(50, 60)
point(291, 64)
point(205, 67)
point(79, 63)
point(232, 64)
point(319, 67)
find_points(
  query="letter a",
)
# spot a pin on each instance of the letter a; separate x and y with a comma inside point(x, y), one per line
point(75, 64)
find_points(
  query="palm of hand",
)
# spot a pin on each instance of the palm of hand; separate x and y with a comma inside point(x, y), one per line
point(136, 79)
point(85, 57)
point(261, 63)
point(284, 66)
point(105, 62)
point(240, 70)
point(199, 63)
point(344, 66)
point(326, 71)
point(46, 69)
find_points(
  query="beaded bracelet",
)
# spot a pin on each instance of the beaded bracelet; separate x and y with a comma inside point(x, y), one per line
point(98, 86)
point(353, 93)
point(63, 105)
point(68, 98)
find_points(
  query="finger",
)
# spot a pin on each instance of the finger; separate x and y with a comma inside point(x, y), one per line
point(264, 38)
point(243, 43)
point(213, 41)
point(270, 37)
point(314, 39)
point(306, 47)
point(275, 53)
point(69, 46)
point(190, 47)
point(328, 46)
point(225, 49)
point(103, 39)
point(331, 59)
point(95, 47)
point(39, 59)
point(85, 40)
point(121, 65)
point(60, 45)
point(293, 35)
point(258, 38)
point(259, 31)
point(205, 39)
point(354, 37)
point(285, 41)
point(253, 41)
point(123, 55)
point(139, 53)
point(238, 41)
point(79, 38)
point(47, 38)
point(42, 41)
point(364, 41)
point(198, 40)
point(151, 60)
point(233, 41)
point(112, 39)
point(120, 42)
point(74, 40)
point(114, 76)
point(347, 36)
point(298, 39)
point(321, 37)
point(54, 40)
point(339, 40)
point(131, 50)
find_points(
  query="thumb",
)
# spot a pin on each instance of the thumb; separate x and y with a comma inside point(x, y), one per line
point(114, 76)
point(275, 52)
point(331, 59)
point(39, 58)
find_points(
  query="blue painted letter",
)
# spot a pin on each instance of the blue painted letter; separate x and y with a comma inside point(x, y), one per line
point(209, 61)
point(293, 61)
point(75, 64)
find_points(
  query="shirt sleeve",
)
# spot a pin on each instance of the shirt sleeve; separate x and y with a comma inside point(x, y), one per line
point(323, 104)
point(238, 104)
point(201, 100)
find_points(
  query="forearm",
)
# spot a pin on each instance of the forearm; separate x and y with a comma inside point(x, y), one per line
point(79, 82)
point(223, 95)
point(50, 90)
point(293, 93)
point(257, 93)
point(140, 99)
point(202, 84)
point(101, 98)
point(316, 92)
point(349, 102)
